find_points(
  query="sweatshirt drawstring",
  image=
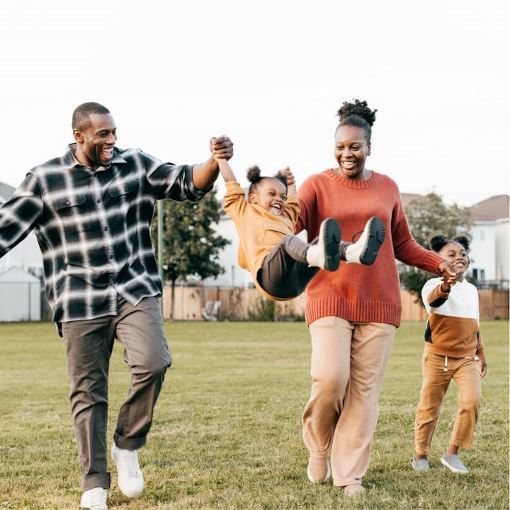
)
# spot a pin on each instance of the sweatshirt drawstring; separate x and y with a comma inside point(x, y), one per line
point(445, 369)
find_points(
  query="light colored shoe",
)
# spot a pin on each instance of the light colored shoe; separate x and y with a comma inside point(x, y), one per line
point(94, 499)
point(420, 465)
point(325, 253)
point(318, 470)
point(365, 249)
point(454, 464)
point(130, 477)
point(355, 489)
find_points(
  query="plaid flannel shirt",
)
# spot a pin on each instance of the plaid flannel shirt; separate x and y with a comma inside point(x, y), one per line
point(93, 228)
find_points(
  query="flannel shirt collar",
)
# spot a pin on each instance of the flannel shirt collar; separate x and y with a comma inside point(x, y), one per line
point(69, 160)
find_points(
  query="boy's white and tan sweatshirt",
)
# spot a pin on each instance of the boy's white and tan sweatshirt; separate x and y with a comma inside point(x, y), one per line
point(453, 327)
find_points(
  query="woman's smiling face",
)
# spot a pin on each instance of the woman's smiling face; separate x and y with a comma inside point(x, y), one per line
point(351, 151)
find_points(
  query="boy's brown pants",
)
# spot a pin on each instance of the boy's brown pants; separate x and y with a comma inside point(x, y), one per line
point(348, 362)
point(436, 379)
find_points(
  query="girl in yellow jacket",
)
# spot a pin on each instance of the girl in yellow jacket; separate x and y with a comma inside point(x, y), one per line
point(453, 350)
point(281, 263)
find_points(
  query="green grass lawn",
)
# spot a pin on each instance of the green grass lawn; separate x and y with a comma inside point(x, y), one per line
point(227, 428)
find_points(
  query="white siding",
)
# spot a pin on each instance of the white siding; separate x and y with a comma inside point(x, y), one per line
point(489, 249)
point(233, 276)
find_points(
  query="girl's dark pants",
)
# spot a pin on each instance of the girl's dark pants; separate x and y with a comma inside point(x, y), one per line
point(285, 272)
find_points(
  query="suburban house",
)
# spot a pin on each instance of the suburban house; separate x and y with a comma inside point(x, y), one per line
point(489, 252)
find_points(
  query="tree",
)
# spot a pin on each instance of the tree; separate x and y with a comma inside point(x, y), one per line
point(190, 245)
point(428, 215)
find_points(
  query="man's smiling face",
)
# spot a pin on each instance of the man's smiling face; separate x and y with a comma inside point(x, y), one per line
point(95, 143)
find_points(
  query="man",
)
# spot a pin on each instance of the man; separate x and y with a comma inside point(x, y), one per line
point(91, 210)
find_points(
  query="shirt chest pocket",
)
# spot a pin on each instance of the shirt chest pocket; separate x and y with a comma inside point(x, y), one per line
point(126, 189)
point(75, 213)
point(65, 205)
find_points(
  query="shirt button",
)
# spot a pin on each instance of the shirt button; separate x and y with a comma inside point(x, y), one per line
point(105, 229)
point(111, 257)
point(98, 201)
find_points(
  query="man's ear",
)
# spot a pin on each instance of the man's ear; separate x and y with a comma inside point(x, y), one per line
point(78, 136)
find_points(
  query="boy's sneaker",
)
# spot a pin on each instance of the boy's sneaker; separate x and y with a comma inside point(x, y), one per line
point(325, 252)
point(365, 249)
point(94, 499)
point(454, 464)
point(130, 477)
point(318, 470)
point(420, 465)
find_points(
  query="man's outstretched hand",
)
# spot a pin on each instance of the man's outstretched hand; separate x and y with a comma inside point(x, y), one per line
point(221, 147)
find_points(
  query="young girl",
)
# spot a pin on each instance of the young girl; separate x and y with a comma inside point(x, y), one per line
point(454, 350)
point(281, 263)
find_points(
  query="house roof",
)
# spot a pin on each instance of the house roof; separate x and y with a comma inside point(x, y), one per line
point(490, 209)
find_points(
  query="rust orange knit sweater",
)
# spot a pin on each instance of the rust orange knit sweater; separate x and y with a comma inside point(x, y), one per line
point(354, 292)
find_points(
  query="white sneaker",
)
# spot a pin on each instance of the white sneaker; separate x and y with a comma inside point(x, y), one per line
point(365, 249)
point(130, 477)
point(454, 464)
point(420, 465)
point(94, 499)
point(325, 253)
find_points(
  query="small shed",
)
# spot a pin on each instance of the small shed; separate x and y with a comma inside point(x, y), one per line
point(20, 296)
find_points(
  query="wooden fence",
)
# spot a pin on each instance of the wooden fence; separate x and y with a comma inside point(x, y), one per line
point(246, 303)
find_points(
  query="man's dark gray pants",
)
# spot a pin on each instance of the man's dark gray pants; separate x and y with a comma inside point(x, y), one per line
point(89, 346)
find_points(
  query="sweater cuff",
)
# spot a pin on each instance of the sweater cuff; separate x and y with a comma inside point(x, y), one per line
point(431, 262)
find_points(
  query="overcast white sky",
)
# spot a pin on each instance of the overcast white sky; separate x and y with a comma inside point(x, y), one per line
point(271, 75)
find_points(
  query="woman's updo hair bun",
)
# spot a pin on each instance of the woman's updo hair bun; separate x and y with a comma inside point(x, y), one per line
point(358, 108)
point(253, 175)
point(437, 242)
point(357, 114)
point(462, 240)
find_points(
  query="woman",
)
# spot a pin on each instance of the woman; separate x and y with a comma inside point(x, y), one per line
point(353, 313)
